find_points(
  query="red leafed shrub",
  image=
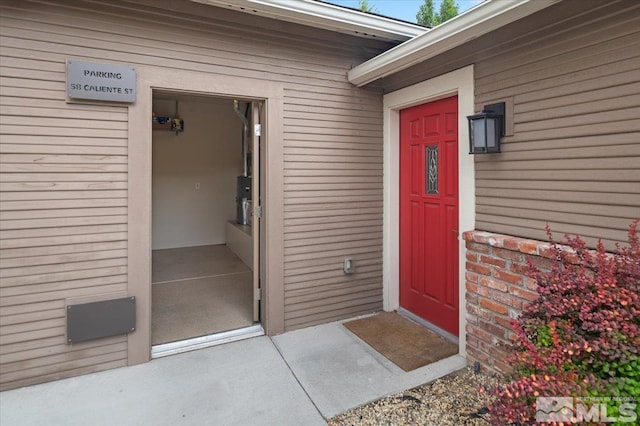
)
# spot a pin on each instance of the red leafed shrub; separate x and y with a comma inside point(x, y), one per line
point(581, 337)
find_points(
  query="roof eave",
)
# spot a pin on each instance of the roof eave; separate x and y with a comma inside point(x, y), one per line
point(326, 16)
point(470, 25)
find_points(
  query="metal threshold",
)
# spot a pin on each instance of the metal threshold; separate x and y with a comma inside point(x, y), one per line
point(172, 348)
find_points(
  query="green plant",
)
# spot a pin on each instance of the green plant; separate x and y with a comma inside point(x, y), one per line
point(364, 6)
point(427, 15)
point(581, 336)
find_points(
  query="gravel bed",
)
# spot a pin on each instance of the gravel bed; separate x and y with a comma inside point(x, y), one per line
point(460, 398)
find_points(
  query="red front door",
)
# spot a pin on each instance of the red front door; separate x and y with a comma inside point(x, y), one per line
point(429, 212)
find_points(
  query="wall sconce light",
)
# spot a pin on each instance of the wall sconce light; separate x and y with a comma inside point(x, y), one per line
point(486, 129)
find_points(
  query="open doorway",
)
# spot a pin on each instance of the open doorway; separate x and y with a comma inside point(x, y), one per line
point(205, 229)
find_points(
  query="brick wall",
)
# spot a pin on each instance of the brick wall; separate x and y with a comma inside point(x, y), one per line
point(497, 288)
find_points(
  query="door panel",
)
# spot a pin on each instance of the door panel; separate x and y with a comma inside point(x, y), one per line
point(429, 212)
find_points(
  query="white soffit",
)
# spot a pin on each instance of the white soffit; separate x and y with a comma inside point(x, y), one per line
point(325, 16)
point(482, 19)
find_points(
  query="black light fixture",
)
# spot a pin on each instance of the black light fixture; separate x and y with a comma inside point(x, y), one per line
point(486, 129)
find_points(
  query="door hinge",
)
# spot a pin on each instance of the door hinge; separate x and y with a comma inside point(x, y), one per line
point(258, 294)
point(257, 129)
point(257, 212)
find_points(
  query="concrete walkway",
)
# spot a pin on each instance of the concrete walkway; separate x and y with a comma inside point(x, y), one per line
point(297, 378)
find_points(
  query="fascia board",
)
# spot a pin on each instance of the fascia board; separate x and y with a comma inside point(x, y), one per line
point(476, 22)
point(326, 16)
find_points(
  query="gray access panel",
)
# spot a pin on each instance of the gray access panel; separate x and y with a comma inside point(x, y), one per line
point(88, 321)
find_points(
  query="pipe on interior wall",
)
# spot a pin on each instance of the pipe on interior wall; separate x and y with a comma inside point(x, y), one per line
point(245, 127)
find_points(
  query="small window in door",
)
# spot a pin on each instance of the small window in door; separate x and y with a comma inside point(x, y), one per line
point(432, 169)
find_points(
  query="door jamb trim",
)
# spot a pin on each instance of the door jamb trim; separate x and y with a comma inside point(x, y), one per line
point(459, 82)
point(139, 189)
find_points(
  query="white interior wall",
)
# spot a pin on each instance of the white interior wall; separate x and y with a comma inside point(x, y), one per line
point(208, 152)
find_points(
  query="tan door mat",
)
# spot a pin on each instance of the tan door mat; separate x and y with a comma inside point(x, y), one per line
point(402, 341)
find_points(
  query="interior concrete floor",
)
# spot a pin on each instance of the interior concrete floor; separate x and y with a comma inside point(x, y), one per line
point(199, 291)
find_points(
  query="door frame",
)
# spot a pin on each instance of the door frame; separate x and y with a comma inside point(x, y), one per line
point(459, 82)
point(258, 168)
point(139, 190)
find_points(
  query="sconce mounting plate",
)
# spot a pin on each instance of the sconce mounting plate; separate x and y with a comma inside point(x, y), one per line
point(498, 108)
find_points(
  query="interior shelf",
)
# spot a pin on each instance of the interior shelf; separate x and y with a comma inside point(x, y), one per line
point(167, 123)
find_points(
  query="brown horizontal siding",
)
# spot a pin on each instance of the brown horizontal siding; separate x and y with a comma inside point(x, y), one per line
point(571, 73)
point(333, 209)
point(333, 193)
point(82, 362)
point(62, 200)
point(141, 43)
point(610, 26)
point(63, 204)
point(54, 357)
point(573, 160)
point(334, 313)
